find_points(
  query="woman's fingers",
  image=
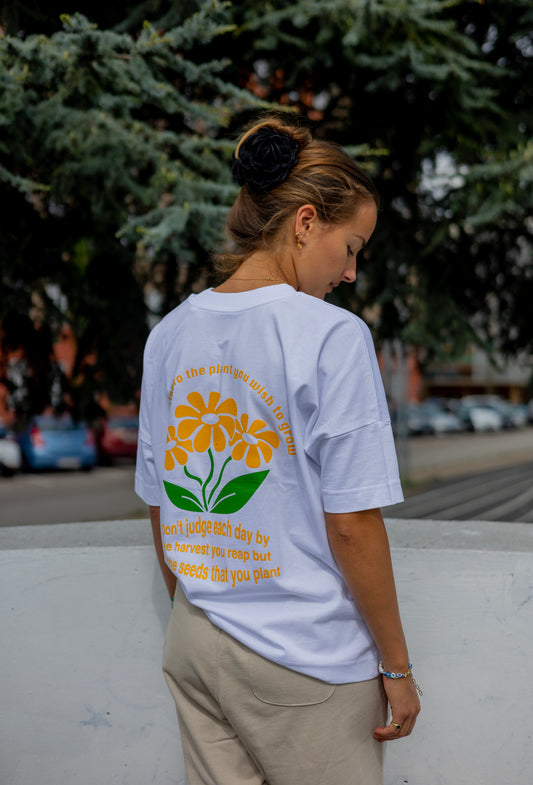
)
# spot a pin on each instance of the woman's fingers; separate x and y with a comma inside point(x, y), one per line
point(405, 706)
point(391, 731)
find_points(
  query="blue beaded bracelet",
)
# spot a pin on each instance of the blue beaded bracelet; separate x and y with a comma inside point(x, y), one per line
point(392, 675)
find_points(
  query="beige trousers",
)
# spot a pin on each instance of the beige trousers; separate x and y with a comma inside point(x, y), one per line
point(245, 720)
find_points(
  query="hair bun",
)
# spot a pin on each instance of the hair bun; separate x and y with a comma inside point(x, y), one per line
point(264, 159)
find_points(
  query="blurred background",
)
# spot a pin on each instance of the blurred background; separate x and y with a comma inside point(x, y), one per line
point(117, 128)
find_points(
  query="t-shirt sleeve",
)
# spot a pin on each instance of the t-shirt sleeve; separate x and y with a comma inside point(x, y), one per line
point(351, 436)
point(147, 485)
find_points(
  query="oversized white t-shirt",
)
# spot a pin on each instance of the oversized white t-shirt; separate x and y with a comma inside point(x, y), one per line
point(260, 410)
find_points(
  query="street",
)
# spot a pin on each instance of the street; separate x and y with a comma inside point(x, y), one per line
point(455, 454)
point(503, 494)
point(474, 476)
point(106, 493)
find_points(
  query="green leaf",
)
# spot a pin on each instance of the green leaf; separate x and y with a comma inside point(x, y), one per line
point(182, 498)
point(237, 492)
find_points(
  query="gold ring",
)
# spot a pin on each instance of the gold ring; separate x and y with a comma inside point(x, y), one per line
point(396, 725)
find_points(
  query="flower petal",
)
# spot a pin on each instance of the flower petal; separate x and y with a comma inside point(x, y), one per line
point(219, 439)
point(196, 400)
point(266, 450)
point(202, 440)
point(187, 427)
point(238, 451)
point(229, 407)
point(186, 411)
point(269, 436)
point(253, 459)
point(180, 455)
point(214, 398)
point(256, 426)
point(228, 423)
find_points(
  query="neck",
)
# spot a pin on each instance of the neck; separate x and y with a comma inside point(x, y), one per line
point(268, 267)
point(260, 265)
point(258, 270)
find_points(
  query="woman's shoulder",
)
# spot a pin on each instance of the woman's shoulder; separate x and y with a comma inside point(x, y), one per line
point(165, 328)
point(327, 316)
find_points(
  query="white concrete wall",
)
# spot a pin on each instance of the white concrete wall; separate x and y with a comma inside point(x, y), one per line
point(83, 701)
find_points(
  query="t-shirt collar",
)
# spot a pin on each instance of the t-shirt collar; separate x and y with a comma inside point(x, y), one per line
point(232, 301)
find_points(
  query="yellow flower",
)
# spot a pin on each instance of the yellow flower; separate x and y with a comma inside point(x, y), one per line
point(253, 442)
point(210, 422)
point(176, 451)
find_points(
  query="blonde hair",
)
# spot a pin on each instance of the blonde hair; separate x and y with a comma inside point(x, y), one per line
point(324, 175)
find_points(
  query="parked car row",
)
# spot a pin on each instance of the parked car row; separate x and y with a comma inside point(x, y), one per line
point(59, 442)
point(470, 413)
point(432, 417)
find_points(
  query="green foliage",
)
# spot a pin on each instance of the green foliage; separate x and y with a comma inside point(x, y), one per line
point(114, 180)
point(431, 84)
point(115, 143)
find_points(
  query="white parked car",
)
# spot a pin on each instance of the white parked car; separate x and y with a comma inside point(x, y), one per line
point(440, 419)
point(481, 418)
point(10, 456)
point(512, 415)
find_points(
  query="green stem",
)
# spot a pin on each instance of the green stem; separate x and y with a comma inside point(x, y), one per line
point(192, 476)
point(206, 483)
point(219, 478)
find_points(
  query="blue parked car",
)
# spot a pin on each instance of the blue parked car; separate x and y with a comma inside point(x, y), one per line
point(50, 442)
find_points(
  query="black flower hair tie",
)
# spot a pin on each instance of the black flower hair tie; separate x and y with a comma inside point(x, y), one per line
point(265, 160)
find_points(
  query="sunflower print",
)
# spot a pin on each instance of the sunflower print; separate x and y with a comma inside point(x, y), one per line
point(176, 452)
point(253, 442)
point(211, 424)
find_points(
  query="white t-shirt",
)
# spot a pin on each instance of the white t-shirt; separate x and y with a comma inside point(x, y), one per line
point(259, 411)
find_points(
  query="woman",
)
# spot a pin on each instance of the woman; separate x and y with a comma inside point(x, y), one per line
point(265, 453)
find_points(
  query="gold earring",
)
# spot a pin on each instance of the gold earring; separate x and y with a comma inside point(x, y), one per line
point(298, 241)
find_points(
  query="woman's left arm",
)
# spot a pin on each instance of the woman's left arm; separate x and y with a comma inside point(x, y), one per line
point(360, 545)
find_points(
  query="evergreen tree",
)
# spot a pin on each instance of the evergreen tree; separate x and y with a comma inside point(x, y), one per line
point(115, 147)
point(115, 179)
point(435, 97)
